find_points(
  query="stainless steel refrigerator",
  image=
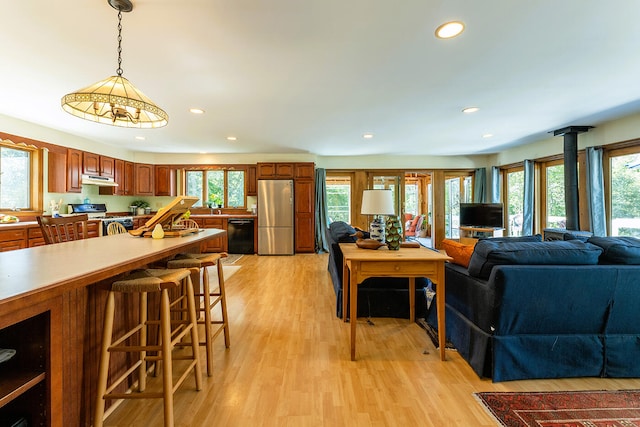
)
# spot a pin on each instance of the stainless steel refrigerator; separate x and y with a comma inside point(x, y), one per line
point(275, 217)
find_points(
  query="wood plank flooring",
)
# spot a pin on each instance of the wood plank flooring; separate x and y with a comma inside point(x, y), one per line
point(289, 364)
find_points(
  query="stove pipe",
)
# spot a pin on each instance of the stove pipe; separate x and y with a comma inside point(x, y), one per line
point(572, 210)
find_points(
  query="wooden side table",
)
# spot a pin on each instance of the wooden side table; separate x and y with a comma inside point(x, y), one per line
point(360, 264)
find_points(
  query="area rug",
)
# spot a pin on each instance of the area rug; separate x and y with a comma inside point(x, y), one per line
point(567, 409)
point(231, 258)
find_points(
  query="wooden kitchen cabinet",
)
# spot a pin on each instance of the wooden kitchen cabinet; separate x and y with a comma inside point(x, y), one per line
point(165, 180)
point(143, 182)
point(218, 244)
point(13, 238)
point(94, 164)
point(57, 172)
point(90, 163)
point(74, 171)
point(305, 170)
point(107, 166)
point(275, 170)
point(252, 181)
point(27, 379)
point(304, 202)
point(35, 237)
point(123, 175)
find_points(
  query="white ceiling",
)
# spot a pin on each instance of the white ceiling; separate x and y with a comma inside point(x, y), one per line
point(312, 76)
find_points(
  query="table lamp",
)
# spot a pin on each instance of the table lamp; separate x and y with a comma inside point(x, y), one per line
point(377, 203)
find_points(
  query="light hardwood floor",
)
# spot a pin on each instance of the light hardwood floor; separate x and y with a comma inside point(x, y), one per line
point(289, 364)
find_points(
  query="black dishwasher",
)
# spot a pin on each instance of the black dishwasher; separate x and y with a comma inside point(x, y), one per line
point(240, 235)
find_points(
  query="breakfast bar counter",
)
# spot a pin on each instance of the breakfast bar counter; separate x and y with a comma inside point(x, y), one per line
point(51, 314)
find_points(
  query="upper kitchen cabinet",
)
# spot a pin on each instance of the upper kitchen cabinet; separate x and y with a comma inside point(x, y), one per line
point(57, 172)
point(165, 181)
point(144, 178)
point(123, 175)
point(95, 164)
point(275, 170)
point(252, 181)
point(305, 170)
point(107, 166)
point(74, 171)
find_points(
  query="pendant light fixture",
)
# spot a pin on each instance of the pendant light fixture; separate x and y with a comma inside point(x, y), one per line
point(115, 101)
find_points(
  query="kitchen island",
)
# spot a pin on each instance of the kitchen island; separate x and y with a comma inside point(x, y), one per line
point(51, 313)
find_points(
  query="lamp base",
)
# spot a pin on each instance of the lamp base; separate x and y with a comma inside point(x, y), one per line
point(377, 230)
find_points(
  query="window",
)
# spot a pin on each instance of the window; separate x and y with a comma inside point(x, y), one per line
point(553, 195)
point(16, 176)
point(216, 187)
point(625, 192)
point(339, 198)
point(411, 196)
point(514, 195)
point(457, 189)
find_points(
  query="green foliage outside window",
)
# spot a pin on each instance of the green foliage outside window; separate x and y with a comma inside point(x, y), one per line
point(15, 178)
point(625, 195)
point(223, 188)
point(339, 202)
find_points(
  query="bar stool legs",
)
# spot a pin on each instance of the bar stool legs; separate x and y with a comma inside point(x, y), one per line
point(207, 299)
point(142, 282)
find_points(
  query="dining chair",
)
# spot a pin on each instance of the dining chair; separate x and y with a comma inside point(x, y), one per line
point(115, 228)
point(63, 229)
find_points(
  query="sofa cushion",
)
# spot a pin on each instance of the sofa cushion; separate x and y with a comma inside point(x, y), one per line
point(533, 238)
point(341, 232)
point(489, 253)
point(460, 252)
point(618, 250)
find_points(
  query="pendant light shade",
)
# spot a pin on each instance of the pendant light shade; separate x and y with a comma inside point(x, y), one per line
point(115, 101)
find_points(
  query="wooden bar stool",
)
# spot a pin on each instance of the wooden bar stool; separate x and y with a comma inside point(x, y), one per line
point(207, 299)
point(143, 282)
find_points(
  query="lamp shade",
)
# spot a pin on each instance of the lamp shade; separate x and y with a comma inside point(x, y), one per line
point(377, 202)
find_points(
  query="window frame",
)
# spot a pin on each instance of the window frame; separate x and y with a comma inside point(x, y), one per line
point(615, 150)
point(204, 197)
point(504, 199)
point(543, 165)
point(36, 180)
point(347, 177)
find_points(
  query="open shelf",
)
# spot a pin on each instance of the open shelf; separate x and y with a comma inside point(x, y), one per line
point(23, 378)
point(16, 384)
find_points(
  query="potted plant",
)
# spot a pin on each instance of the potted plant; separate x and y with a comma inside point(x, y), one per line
point(215, 200)
point(140, 205)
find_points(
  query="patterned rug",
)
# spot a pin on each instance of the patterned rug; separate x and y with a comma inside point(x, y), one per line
point(564, 409)
point(231, 258)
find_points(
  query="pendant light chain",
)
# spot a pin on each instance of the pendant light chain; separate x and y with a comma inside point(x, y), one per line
point(119, 70)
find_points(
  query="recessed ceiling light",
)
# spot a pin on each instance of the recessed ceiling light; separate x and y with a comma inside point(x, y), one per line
point(140, 138)
point(196, 110)
point(469, 110)
point(232, 138)
point(449, 29)
point(487, 135)
point(367, 135)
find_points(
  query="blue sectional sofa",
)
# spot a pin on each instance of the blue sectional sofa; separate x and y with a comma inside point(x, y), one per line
point(533, 309)
point(377, 296)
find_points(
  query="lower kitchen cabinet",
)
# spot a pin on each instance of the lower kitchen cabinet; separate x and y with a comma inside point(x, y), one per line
point(218, 244)
point(29, 377)
point(13, 238)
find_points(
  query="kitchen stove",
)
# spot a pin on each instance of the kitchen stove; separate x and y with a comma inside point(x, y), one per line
point(99, 211)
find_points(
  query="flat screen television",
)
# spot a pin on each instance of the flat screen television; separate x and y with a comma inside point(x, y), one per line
point(487, 215)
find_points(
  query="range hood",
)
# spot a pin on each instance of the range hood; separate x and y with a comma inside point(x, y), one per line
point(101, 181)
